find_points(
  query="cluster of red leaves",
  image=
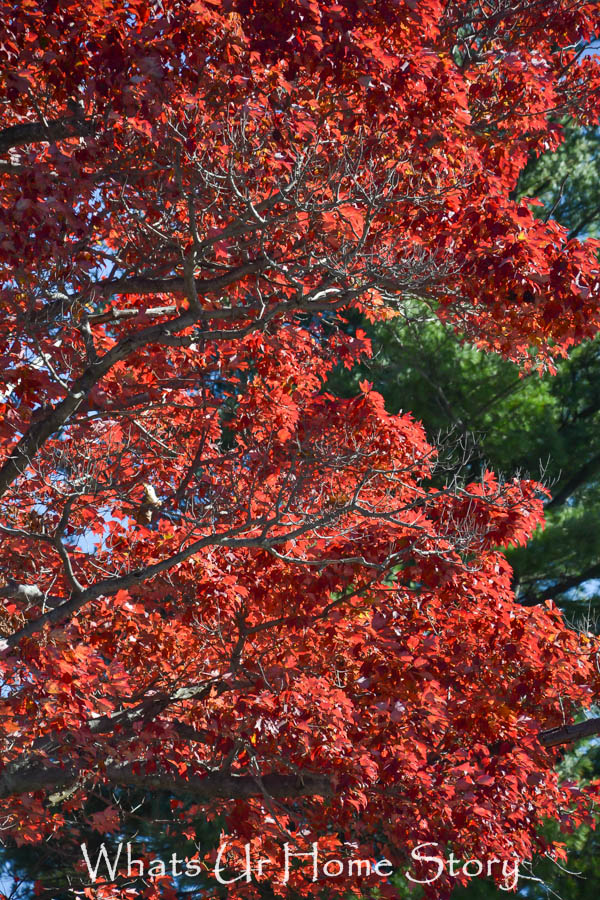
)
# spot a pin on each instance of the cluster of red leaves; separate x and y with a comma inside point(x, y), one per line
point(254, 581)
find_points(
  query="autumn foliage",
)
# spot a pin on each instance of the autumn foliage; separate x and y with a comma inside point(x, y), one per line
point(219, 580)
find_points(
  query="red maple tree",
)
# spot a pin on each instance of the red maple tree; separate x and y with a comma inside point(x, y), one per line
point(218, 580)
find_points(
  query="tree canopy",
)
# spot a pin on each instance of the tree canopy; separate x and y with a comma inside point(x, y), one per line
point(488, 414)
point(484, 413)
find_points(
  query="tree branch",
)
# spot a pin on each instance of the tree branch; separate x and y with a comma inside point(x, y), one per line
point(177, 285)
point(56, 130)
point(566, 734)
point(110, 586)
point(39, 775)
point(38, 433)
point(42, 776)
point(529, 598)
point(586, 472)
